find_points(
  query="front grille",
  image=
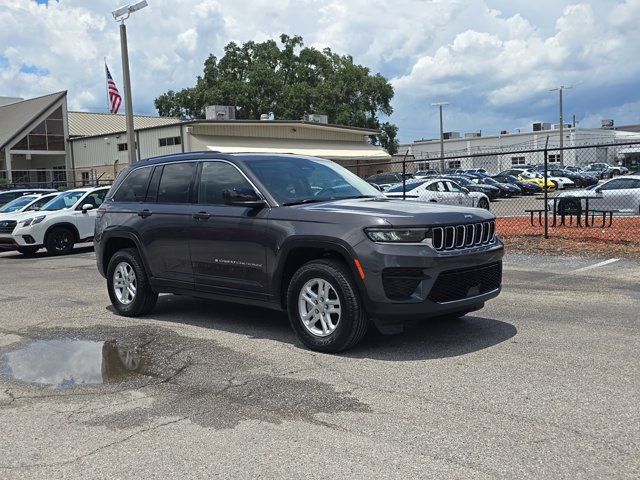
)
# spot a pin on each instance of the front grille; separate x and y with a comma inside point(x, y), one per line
point(459, 237)
point(400, 283)
point(7, 226)
point(466, 282)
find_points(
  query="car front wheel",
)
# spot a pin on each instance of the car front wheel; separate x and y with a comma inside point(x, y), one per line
point(60, 241)
point(324, 306)
point(483, 203)
point(128, 284)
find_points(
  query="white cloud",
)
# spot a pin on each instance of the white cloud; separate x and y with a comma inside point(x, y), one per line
point(494, 57)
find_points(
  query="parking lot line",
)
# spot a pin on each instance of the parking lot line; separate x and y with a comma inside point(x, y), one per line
point(596, 265)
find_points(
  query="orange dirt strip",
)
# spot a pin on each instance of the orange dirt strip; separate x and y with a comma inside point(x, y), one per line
point(623, 230)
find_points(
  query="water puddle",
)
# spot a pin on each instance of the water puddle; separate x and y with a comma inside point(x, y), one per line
point(65, 363)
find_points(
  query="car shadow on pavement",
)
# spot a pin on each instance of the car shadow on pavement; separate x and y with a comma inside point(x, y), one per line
point(42, 253)
point(426, 340)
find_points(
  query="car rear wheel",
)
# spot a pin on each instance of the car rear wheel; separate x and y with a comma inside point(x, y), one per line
point(128, 284)
point(60, 241)
point(324, 306)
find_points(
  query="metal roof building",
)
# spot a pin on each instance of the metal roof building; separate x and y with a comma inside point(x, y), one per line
point(43, 143)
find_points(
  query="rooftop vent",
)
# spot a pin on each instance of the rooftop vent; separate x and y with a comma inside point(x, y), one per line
point(220, 112)
point(472, 135)
point(540, 126)
point(607, 123)
point(315, 118)
point(451, 135)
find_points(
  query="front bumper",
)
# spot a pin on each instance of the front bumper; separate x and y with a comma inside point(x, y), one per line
point(389, 315)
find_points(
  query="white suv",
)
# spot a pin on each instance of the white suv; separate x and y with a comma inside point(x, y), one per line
point(58, 225)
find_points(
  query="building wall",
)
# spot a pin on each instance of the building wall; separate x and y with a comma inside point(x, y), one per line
point(275, 130)
point(427, 153)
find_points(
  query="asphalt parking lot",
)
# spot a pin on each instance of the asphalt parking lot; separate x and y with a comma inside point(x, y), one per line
point(542, 383)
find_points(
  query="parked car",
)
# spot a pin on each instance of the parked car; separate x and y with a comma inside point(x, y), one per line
point(390, 178)
point(8, 195)
point(528, 188)
point(476, 170)
point(609, 170)
point(26, 203)
point(65, 220)
point(561, 182)
point(439, 190)
point(489, 190)
point(247, 228)
point(579, 179)
point(506, 189)
point(425, 173)
point(620, 194)
point(531, 177)
point(452, 171)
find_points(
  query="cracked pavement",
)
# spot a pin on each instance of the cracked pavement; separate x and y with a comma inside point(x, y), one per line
point(542, 383)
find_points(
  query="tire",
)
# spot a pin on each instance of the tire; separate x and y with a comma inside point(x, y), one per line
point(330, 332)
point(142, 301)
point(483, 203)
point(28, 250)
point(60, 241)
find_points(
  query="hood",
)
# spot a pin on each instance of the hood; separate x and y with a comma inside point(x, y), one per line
point(392, 212)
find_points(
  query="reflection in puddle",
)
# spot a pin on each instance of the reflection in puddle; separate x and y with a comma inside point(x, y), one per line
point(67, 363)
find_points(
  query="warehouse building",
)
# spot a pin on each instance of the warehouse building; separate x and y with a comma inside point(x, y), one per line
point(41, 142)
point(510, 149)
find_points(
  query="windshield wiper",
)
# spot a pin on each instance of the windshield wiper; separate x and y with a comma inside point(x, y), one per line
point(324, 199)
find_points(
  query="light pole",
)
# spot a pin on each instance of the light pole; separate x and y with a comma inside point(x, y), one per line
point(560, 89)
point(120, 15)
point(440, 105)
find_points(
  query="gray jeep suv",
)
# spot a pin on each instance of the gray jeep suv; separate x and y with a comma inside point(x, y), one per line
point(293, 233)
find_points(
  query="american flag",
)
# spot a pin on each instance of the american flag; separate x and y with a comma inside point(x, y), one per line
point(112, 91)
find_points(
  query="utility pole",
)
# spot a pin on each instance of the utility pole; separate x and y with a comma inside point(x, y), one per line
point(561, 89)
point(440, 105)
point(120, 15)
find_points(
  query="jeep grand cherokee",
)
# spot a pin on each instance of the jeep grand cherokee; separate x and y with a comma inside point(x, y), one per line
point(293, 233)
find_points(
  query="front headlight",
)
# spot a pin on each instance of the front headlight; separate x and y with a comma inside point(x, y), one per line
point(33, 220)
point(398, 235)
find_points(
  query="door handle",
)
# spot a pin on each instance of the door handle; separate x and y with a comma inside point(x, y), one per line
point(201, 216)
point(145, 213)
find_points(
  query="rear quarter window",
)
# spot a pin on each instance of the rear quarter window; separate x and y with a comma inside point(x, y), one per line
point(134, 186)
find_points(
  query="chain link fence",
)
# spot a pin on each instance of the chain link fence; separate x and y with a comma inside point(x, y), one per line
point(587, 193)
point(56, 178)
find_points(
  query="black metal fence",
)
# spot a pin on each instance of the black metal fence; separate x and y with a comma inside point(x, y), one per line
point(584, 192)
point(57, 178)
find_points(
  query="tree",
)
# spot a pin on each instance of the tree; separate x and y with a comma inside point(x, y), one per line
point(288, 80)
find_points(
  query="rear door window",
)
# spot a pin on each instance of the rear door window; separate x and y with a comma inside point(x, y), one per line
point(175, 184)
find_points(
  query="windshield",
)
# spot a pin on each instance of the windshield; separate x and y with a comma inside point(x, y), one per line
point(511, 178)
point(65, 200)
point(300, 179)
point(491, 181)
point(461, 181)
point(17, 204)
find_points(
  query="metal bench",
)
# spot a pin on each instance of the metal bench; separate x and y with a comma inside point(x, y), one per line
point(605, 214)
point(532, 212)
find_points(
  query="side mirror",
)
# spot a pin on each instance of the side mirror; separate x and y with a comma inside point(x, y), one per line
point(242, 197)
point(86, 207)
point(598, 190)
point(465, 190)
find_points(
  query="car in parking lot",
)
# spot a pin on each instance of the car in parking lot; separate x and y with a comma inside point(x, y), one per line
point(506, 189)
point(620, 194)
point(464, 181)
point(527, 188)
point(607, 169)
point(8, 195)
point(58, 225)
point(439, 190)
point(26, 203)
point(533, 177)
point(277, 231)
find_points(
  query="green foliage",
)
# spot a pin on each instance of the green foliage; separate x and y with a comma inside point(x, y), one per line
point(288, 80)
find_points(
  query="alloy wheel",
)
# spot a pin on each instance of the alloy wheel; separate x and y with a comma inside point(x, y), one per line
point(125, 283)
point(319, 307)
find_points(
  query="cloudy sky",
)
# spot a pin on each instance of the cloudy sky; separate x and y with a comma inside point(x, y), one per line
point(493, 60)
